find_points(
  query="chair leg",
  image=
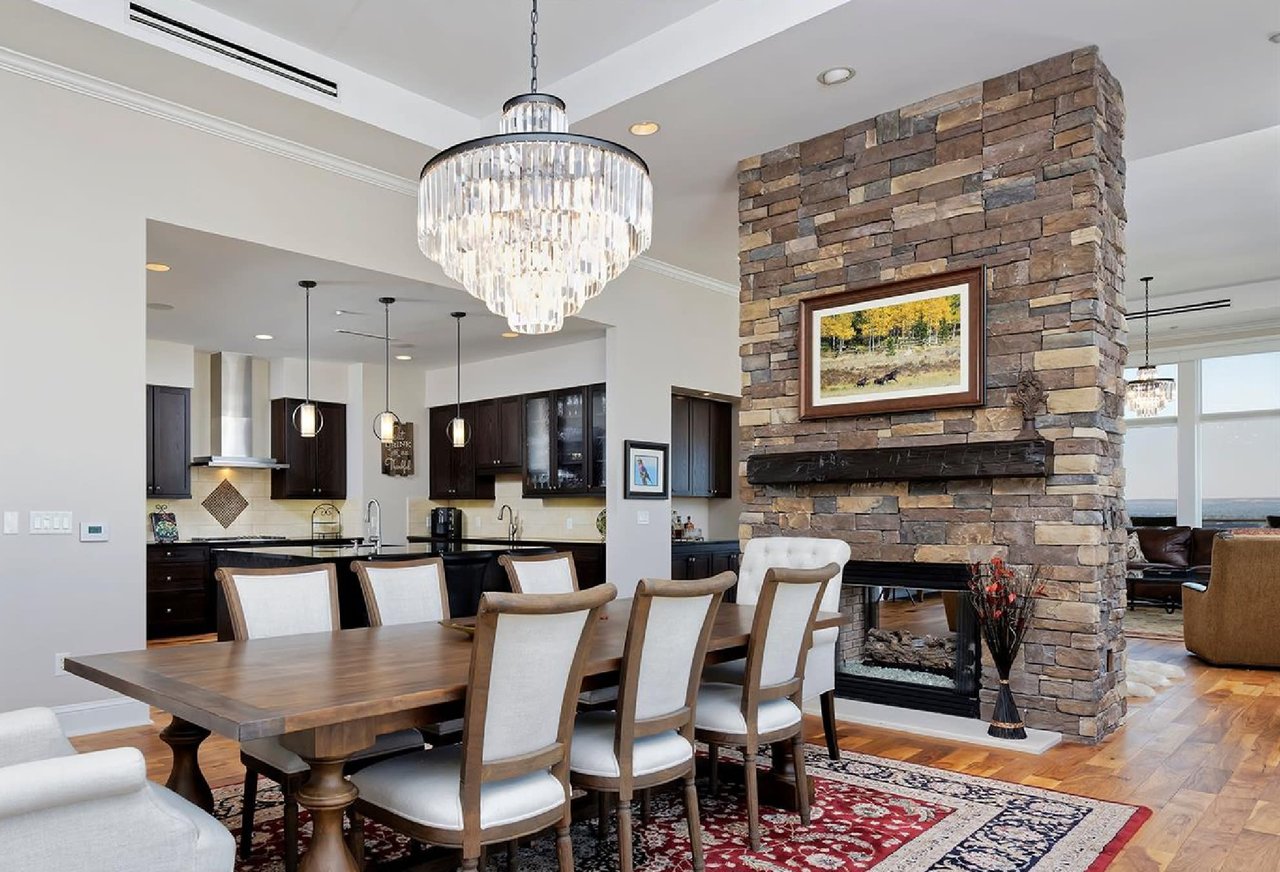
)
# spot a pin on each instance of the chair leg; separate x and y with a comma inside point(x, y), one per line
point(290, 833)
point(802, 778)
point(513, 855)
point(624, 834)
point(470, 864)
point(564, 846)
point(248, 810)
point(644, 807)
point(355, 836)
point(713, 770)
point(602, 816)
point(828, 703)
point(695, 827)
point(753, 798)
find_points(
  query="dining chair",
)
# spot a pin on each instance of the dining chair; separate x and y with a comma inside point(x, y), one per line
point(796, 552)
point(510, 776)
point(265, 603)
point(765, 708)
point(71, 812)
point(541, 573)
point(648, 740)
point(403, 591)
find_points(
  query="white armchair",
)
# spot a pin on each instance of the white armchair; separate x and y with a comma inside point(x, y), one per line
point(796, 552)
point(92, 812)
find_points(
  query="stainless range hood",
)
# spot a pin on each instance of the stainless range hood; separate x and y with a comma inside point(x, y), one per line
point(231, 415)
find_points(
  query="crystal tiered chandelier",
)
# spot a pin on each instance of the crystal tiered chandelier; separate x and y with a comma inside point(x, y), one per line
point(1148, 394)
point(536, 220)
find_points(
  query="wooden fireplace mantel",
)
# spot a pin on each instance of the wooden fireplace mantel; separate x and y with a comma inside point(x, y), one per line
point(1020, 458)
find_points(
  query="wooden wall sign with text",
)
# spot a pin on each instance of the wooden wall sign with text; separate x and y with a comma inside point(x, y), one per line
point(397, 456)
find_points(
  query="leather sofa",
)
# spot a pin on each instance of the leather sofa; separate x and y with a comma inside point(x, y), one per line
point(1184, 553)
point(1232, 621)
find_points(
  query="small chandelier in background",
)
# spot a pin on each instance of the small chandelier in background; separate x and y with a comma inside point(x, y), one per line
point(307, 419)
point(535, 220)
point(1148, 394)
point(384, 424)
point(458, 430)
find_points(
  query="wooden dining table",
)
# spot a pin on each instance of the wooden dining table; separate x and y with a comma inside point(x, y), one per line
point(327, 696)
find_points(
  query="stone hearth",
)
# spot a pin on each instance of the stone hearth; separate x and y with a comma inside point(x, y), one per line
point(1022, 174)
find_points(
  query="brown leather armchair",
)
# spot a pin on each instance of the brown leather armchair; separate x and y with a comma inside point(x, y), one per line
point(1233, 621)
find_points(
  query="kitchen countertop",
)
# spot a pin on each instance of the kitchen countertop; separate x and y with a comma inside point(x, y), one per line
point(386, 552)
point(497, 540)
point(733, 542)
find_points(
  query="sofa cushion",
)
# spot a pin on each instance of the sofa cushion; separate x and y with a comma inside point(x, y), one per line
point(1202, 546)
point(1134, 548)
point(1168, 545)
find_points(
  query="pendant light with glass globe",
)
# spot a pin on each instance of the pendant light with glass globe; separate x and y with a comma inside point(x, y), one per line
point(307, 419)
point(458, 429)
point(386, 421)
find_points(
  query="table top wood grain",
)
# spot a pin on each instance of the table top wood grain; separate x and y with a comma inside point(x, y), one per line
point(270, 687)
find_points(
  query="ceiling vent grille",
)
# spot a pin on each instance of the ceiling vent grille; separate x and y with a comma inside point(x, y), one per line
point(195, 36)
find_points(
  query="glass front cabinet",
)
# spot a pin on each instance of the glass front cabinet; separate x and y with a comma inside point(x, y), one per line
point(565, 442)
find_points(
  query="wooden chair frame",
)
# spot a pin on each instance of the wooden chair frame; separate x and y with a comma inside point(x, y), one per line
point(627, 728)
point(362, 568)
point(510, 562)
point(472, 838)
point(753, 694)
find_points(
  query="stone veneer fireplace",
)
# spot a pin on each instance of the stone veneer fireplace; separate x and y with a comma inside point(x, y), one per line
point(1022, 174)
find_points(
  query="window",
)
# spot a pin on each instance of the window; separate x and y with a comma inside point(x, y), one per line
point(1240, 438)
point(1151, 470)
point(1245, 383)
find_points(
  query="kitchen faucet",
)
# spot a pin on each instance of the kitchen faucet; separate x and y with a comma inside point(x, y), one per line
point(511, 521)
point(373, 522)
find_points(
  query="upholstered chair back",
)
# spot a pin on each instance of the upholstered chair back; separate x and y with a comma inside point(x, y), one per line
point(526, 671)
point(404, 591)
point(790, 552)
point(281, 602)
point(666, 644)
point(789, 601)
point(541, 573)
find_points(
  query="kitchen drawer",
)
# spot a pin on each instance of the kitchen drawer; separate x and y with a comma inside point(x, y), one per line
point(177, 554)
point(188, 609)
point(176, 576)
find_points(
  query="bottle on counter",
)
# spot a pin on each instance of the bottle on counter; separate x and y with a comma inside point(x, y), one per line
point(689, 529)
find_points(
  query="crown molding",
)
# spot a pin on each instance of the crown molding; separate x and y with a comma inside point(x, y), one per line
point(157, 107)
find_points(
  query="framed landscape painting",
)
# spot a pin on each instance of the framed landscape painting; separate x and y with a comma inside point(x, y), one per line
point(904, 346)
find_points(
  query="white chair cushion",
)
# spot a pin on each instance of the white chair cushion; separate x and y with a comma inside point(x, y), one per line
point(544, 576)
point(789, 552)
point(720, 710)
point(215, 847)
point(425, 788)
point(285, 605)
point(271, 752)
point(819, 667)
point(592, 749)
point(406, 594)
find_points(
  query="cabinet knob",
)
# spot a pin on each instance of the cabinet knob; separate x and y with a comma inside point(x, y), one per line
point(168, 611)
point(168, 578)
point(168, 554)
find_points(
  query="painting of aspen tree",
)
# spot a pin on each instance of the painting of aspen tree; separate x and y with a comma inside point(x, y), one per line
point(910, 348)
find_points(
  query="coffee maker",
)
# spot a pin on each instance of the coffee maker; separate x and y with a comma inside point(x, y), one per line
point(446, 523)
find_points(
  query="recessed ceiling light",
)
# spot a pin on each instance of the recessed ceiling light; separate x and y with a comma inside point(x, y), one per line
point(1275, 37)
point(158, 267)
point(510, 335)
point(836, 75)
point(263, 336)
point(160, 307)
point(645, 128)
point(404, 357)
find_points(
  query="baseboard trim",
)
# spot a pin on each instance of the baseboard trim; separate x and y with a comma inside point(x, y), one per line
point(971, 731)
point(99, 716)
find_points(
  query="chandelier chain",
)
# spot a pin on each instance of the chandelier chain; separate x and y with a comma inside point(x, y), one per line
point(533, 49)
point(1146, 322)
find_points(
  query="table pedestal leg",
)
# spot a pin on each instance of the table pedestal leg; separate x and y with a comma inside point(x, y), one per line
point(326, 795)
point(185, 778)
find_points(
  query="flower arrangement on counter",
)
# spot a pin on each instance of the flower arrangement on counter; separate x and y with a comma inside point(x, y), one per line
point(1004, 599)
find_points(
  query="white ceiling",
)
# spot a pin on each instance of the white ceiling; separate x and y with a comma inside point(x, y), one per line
point(225, 291)
point(731, 78)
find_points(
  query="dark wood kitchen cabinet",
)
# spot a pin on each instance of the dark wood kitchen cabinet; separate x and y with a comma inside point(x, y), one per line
point(701, 447)
point(454, 473)
point(564, 432)
point(179, 591)
point(694, 560)
point(317, 465)
point(499, 434)
point(168, 442)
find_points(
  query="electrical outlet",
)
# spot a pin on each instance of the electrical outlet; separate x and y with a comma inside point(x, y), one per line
point(642, 516)
point(10, 523)
point(59, 662)
point(568, 523)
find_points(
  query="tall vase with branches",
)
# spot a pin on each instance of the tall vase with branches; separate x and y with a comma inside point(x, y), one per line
point(1004, 598)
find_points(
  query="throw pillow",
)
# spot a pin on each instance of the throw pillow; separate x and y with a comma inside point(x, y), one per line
point(1135, 549)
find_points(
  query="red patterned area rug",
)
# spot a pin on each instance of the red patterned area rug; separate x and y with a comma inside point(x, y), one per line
point(870, 813)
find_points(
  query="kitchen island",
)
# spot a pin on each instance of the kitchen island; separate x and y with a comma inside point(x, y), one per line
point(470, 570)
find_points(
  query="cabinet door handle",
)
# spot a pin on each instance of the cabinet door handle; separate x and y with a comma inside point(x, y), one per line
point(168, 611)
point(168, 578)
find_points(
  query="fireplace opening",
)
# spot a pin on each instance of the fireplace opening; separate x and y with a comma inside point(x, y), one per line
point(912, 640)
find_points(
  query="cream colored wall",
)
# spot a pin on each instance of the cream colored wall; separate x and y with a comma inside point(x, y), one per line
point(263, 517)
point(562, 519)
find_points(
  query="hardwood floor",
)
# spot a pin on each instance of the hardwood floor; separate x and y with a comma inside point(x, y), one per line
point(1203, 755)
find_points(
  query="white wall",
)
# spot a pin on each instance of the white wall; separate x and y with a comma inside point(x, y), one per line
point(170, 363)
point(581, 363)
point(393, 493)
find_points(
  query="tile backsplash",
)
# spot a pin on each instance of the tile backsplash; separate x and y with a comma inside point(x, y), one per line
point(546, 519)
point(263, 517)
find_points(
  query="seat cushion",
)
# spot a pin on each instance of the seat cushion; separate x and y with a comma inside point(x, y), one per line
point(592, 749)
point(720, 710)
point(1168, 545)
point(272, 753)
point(425, 788)
point(215, 847)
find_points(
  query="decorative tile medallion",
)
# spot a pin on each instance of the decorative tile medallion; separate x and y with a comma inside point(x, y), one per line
point(225, 503)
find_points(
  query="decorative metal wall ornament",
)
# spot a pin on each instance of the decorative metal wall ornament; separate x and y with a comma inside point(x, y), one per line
point(1030, 397)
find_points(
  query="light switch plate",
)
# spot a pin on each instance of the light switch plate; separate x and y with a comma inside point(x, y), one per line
point(642, 516)
point(50, 524)
point(10, 523)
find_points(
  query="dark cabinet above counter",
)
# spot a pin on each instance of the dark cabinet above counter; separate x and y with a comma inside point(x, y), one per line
point(168, 442)
point(701, 447)
point(318, 464)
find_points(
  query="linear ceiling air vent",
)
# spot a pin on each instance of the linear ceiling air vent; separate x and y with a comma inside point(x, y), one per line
point(194, 35)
